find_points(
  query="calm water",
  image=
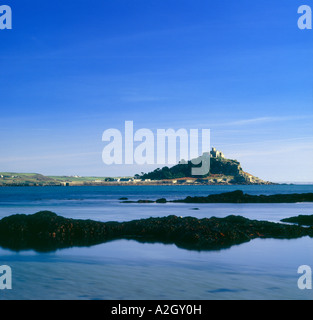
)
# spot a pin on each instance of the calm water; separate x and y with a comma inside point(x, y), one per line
point(260, 269)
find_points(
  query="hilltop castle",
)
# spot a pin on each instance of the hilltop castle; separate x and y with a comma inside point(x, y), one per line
point(216, 154)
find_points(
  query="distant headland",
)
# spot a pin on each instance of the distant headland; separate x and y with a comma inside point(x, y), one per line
point(223, 171)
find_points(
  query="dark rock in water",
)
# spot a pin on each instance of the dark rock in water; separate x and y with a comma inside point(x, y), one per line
point(162, 200)
point(140, 201)
point(46, 231)
point(300, 220)
point(123, 198)
point(145, 201)
point(239, 197)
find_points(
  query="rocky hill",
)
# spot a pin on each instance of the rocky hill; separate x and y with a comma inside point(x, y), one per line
point(222, 170)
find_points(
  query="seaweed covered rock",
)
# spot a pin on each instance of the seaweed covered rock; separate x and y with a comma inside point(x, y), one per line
point(239, 196)
point(208, 233)
point(46, 231)
point(304, 220)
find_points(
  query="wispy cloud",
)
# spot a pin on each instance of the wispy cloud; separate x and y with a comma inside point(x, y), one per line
point(273, 146)
point(219, 122)
point(262, 120)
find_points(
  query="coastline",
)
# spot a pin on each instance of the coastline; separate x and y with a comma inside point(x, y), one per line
point(143, 183)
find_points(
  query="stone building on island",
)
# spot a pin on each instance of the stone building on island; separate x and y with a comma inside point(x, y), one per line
point(216, 154)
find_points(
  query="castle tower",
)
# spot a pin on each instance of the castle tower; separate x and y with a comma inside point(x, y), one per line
point(216, 154)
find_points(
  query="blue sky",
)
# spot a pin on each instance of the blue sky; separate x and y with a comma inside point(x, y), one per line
point(72, 69)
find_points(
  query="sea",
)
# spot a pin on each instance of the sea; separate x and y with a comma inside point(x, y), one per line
point(129, 270)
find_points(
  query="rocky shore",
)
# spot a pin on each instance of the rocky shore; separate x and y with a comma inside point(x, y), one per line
point(238, 197)
point(46, 231)
point(241, 197)
point(300, 220)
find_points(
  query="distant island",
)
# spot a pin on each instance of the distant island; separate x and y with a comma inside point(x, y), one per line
point(223, 171)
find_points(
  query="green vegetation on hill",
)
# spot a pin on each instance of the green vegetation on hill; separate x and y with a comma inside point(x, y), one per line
point(24, 179)
point(35, 179)
point(217, 166)
point(228, 170)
